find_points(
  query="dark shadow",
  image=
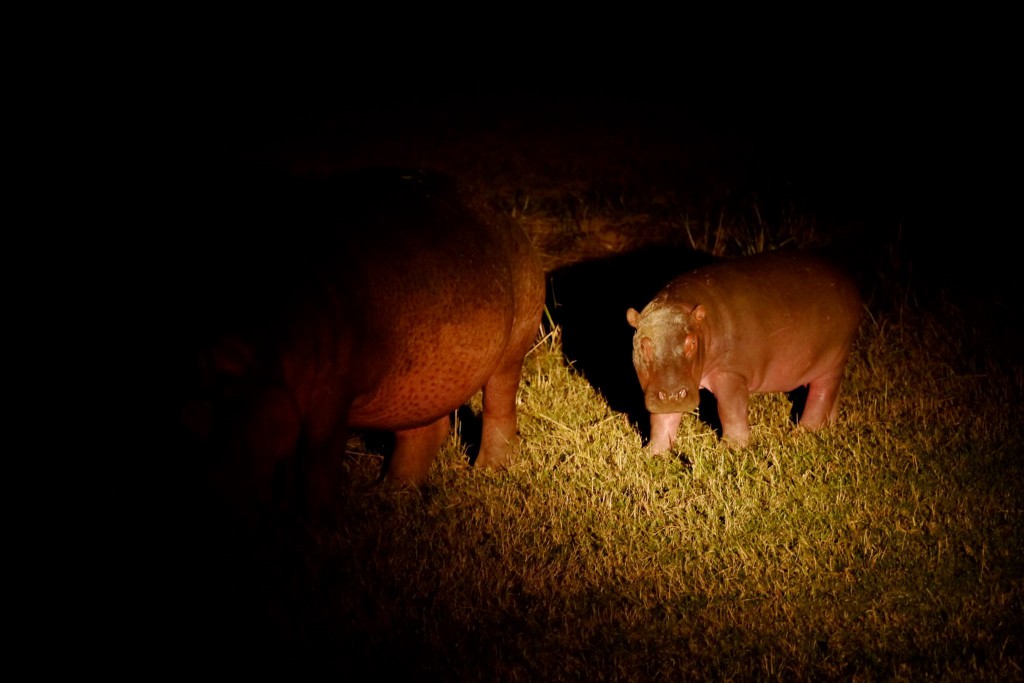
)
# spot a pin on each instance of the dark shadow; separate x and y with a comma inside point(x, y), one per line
point(589, 301)
point(379, 442)
point(471, 431)
point(798, 399)
point(708, 412)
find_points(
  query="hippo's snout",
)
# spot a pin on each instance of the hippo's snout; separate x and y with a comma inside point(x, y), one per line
point(674, 396)
point(679, 400)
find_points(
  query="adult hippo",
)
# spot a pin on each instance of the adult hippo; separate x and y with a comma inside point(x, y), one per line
point(374, 300)
point(772, 322)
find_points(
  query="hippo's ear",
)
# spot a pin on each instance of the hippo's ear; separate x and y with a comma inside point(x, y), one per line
point(698, 313)
point(633, 317)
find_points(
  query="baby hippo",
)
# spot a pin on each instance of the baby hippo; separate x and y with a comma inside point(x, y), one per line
point(772, 322)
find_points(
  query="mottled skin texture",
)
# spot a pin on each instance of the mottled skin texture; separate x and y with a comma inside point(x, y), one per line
point(772, 322)
point(405, 299)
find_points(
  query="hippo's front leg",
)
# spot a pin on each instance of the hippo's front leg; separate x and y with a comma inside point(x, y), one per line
point(414, 452)
point(663, 430)
point(733, 399)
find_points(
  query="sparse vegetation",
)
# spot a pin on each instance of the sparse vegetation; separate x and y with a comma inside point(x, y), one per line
point(888, 547)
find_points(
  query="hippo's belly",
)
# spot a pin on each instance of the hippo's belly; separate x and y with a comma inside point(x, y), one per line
point(797, 360)
point(439, 370)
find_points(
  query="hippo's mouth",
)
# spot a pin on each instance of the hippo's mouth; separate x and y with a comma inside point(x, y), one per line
point(681, 400)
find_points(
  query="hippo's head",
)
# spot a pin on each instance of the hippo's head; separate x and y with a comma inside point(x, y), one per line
point(668, 354)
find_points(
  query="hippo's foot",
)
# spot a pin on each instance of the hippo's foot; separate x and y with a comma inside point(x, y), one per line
point(497, 449)
point(735, 441)
point(415, 450)
point(735, 430)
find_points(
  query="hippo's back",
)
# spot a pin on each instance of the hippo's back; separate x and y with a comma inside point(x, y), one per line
point(772, 288)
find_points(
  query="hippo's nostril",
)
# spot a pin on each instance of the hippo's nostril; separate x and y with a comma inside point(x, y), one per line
point(661, 395)
point(682, 393)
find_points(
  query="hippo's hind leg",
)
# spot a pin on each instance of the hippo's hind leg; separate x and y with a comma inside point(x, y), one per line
point(822, 406)
point(415, 450)
point(500, 424)
point(500, 437)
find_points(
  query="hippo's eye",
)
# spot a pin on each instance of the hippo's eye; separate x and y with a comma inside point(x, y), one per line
point(646, 348)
